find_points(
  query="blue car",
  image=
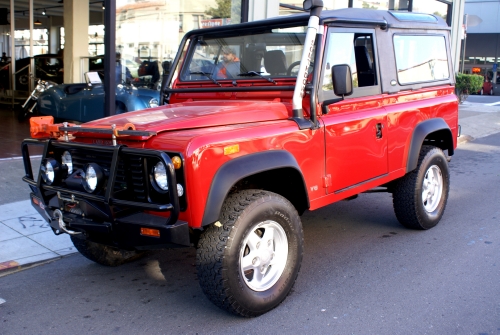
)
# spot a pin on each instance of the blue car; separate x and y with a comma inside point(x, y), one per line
point(85, 102)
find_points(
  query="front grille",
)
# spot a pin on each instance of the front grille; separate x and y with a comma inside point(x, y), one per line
point(131, 176)
point(103, 159)
point(137, 182)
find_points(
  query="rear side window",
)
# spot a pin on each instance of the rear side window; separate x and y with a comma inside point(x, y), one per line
point(421, 58)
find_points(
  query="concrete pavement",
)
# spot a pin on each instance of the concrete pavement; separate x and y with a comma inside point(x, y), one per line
point(26, 239)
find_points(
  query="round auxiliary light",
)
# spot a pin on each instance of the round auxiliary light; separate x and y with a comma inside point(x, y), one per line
point(153, 103)
point(67, 160)
point(49, 170)
point(94, 177)
point(160, 176)
point(180, 190)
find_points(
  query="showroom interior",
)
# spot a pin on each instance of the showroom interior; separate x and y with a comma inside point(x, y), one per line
point(73, 37)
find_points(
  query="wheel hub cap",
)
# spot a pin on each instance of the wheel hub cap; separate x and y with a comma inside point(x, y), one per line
point(432, 188)
point(263, 255)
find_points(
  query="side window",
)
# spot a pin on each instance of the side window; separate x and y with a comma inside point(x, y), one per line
point(355, 48)
point(420, 58)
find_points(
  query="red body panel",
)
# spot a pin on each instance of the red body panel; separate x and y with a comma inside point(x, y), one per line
point(345, 147)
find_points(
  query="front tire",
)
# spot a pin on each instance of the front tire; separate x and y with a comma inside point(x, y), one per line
point(248, 262)
point(420, 197)
point(103, 254)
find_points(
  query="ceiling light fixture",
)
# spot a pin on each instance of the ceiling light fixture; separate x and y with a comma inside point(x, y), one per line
point(44, 11)
point(37, 23)
point(103, 7)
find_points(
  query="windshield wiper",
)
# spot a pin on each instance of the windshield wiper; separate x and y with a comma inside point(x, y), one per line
point(254, 73)
point(208, 75)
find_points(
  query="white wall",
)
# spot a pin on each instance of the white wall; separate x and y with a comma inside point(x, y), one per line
point(489, 12)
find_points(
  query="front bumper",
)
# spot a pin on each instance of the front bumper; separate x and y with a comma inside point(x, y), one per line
point(107, 218)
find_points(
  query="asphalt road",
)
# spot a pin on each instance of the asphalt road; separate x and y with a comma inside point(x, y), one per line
point(362, 273)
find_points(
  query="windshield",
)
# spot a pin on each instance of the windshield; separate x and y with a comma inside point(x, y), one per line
point(275, 53)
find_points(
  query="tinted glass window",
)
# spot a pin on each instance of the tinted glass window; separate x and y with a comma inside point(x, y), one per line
point(420, 58)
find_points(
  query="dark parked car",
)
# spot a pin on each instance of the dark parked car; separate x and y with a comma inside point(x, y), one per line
point(85, 102)
point(47, 67)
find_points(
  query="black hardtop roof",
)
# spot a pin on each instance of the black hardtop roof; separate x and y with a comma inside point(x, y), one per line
point(395, 19)
point(369, 17)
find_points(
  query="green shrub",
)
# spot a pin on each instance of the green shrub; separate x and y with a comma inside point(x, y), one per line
point(466, 84)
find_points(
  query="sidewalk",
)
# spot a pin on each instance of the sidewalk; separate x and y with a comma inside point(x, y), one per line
point(25, 238)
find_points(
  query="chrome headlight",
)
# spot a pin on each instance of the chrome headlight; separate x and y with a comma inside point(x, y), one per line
point(153, 102)
point(68, 161)
point(160, 176)
point(49, 170)
point(40, 88)
point(94, 177)
point(49, 84)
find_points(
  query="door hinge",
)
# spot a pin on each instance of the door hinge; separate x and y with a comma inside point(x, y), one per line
point(327, 181)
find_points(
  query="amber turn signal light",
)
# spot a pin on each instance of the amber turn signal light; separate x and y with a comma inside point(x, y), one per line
point(150, 232)
point(177, 161)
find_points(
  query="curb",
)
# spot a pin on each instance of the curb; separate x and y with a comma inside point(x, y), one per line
point(14, 267)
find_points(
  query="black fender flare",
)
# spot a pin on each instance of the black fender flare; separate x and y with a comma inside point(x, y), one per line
point(236, 169)
point(421, 131)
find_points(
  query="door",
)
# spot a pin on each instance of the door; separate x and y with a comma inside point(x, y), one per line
point(356, 145)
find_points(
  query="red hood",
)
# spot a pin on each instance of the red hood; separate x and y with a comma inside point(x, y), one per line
point(189, 115)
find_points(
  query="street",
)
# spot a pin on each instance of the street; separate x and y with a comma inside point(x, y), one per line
point(362, 273)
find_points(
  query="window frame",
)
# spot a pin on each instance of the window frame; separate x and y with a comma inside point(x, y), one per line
point(357, 91)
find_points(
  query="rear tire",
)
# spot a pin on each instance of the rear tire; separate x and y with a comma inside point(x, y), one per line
point(420, 197)
point(248, 262)
point(103, 254)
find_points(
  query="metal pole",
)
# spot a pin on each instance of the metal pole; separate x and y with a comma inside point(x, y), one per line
point(31, 69)
point(12, 66)
point(109, 56)
point(465, 40)
point(463, 55)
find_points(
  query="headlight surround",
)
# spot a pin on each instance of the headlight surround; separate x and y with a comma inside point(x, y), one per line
point(94, 177)
point(49, 169)
point(159, 174)
point(154, 102)
point(67, 160)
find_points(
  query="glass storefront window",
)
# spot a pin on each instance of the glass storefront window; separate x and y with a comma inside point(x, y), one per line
point(295, 7)
point(431, 7)
point(96, 39)
point(372, 4)
point(40, 42)
point(490, 60)
point(149, 32)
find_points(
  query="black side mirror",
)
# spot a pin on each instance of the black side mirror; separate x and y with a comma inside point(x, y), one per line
point(342, 80)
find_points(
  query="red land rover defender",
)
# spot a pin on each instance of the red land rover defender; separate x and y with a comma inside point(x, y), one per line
point(260, 122)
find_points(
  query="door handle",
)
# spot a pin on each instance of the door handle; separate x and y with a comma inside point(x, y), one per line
point(378, 129)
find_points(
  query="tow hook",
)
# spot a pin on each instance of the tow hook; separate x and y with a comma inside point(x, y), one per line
point(58, 215)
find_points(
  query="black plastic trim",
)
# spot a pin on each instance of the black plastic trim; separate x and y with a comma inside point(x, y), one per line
point(233, 171)
point(421, 131)
point(230, 89)
point(381, 23)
